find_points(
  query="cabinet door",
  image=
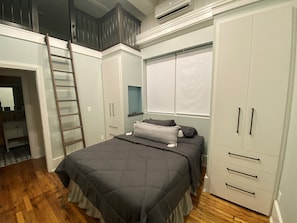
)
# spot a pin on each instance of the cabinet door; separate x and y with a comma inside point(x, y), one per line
point(232, 58)
point(111, 87)
point(269, 80)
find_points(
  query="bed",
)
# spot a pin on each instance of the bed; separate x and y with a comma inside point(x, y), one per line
point(141, 177)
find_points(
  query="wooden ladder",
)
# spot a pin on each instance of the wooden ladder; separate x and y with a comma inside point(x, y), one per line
point(66, 97)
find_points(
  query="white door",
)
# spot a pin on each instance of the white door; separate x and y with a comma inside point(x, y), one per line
point(269, 79)
point(232, 59)
point(111, 86)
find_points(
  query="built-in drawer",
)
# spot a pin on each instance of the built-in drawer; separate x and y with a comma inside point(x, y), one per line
point(112, 131)
point(261, 162)
point(250, 178)
point(253, 198)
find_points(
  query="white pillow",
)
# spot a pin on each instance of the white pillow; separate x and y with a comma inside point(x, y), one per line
point(164, 134)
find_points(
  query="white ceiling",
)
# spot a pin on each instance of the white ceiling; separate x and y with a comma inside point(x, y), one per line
point(98, 8)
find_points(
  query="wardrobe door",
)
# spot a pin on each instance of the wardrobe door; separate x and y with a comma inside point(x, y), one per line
point(232, 58)
point(111, 86)
point(269, 80)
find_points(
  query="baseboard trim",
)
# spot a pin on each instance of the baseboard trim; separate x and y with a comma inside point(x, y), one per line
point(276, 216)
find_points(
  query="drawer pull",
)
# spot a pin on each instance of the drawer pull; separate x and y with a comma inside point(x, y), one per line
point(239, 189)
point(245, 157)
point(113, 127)
point(241, 173)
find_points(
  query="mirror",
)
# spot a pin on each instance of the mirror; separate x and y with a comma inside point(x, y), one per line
point(6, 99)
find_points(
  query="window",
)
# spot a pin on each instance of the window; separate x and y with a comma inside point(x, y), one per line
point(180, 83)
point(161, 85)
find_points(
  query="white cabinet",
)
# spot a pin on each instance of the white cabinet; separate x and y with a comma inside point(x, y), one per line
point(15, 134)
point(120, 68)
point(249, 104)
point(113, 98)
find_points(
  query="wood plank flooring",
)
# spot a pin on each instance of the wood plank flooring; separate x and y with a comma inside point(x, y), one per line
point(29, 194)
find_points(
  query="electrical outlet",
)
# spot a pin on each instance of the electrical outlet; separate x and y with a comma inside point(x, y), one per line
point(102, 137)
point(279, 195)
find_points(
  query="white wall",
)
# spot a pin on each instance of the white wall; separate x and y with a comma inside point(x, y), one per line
point(131, 68)
point(33, 113)
point(89, 82)
point(24, 49)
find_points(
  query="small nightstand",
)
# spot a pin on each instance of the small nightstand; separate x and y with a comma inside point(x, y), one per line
point(15, 134)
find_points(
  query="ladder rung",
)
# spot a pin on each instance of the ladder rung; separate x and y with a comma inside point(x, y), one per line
point(66, 86)
point(72, 128)
point(71, 114)
point(63, 71)
point(67, 100)
point(60, 56)
point(73, 142)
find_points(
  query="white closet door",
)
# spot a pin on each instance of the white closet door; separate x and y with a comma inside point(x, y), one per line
point(111, 86)
point(232, 59)
point(269, 78)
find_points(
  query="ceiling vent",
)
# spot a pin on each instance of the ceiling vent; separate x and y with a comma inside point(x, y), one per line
point(172, 8)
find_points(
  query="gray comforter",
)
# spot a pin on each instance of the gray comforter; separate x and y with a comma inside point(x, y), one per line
point(130, 179)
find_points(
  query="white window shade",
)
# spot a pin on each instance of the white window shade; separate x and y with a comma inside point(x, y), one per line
point(193, 82)
point(160, 75)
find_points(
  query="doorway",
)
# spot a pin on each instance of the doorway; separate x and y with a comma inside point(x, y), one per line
point(14, 143)
point(22, 120)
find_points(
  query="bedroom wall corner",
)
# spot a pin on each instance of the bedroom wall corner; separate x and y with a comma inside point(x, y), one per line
point(284, 208)
point(276, 214)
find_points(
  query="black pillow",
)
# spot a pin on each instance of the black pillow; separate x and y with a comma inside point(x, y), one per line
point(189, 132)
point(160, 122)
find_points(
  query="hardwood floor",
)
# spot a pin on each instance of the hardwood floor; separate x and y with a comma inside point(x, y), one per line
point(29, 194)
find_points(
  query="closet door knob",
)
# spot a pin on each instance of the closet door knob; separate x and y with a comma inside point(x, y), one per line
point(238, 120)
point(252, 119)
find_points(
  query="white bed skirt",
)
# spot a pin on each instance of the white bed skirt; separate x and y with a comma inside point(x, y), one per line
point(75, 195)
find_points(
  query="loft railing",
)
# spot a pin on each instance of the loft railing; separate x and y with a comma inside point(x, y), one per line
point(19, 13)
point(87, 30)
point(117, 26)
point(130, 28)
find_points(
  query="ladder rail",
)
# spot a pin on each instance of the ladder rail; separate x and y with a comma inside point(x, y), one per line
point(57, 100)
point(55, 91)
point(76, 92)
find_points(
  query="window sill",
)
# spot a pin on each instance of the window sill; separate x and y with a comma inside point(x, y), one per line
point(135, 114)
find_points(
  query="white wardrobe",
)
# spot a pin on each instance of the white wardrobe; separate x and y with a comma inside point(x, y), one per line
point(251, 89)
point(121, 67)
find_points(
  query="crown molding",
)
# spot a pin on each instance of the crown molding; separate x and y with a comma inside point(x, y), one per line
point(189, 20)
point(229, 5)
point(120, 47)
